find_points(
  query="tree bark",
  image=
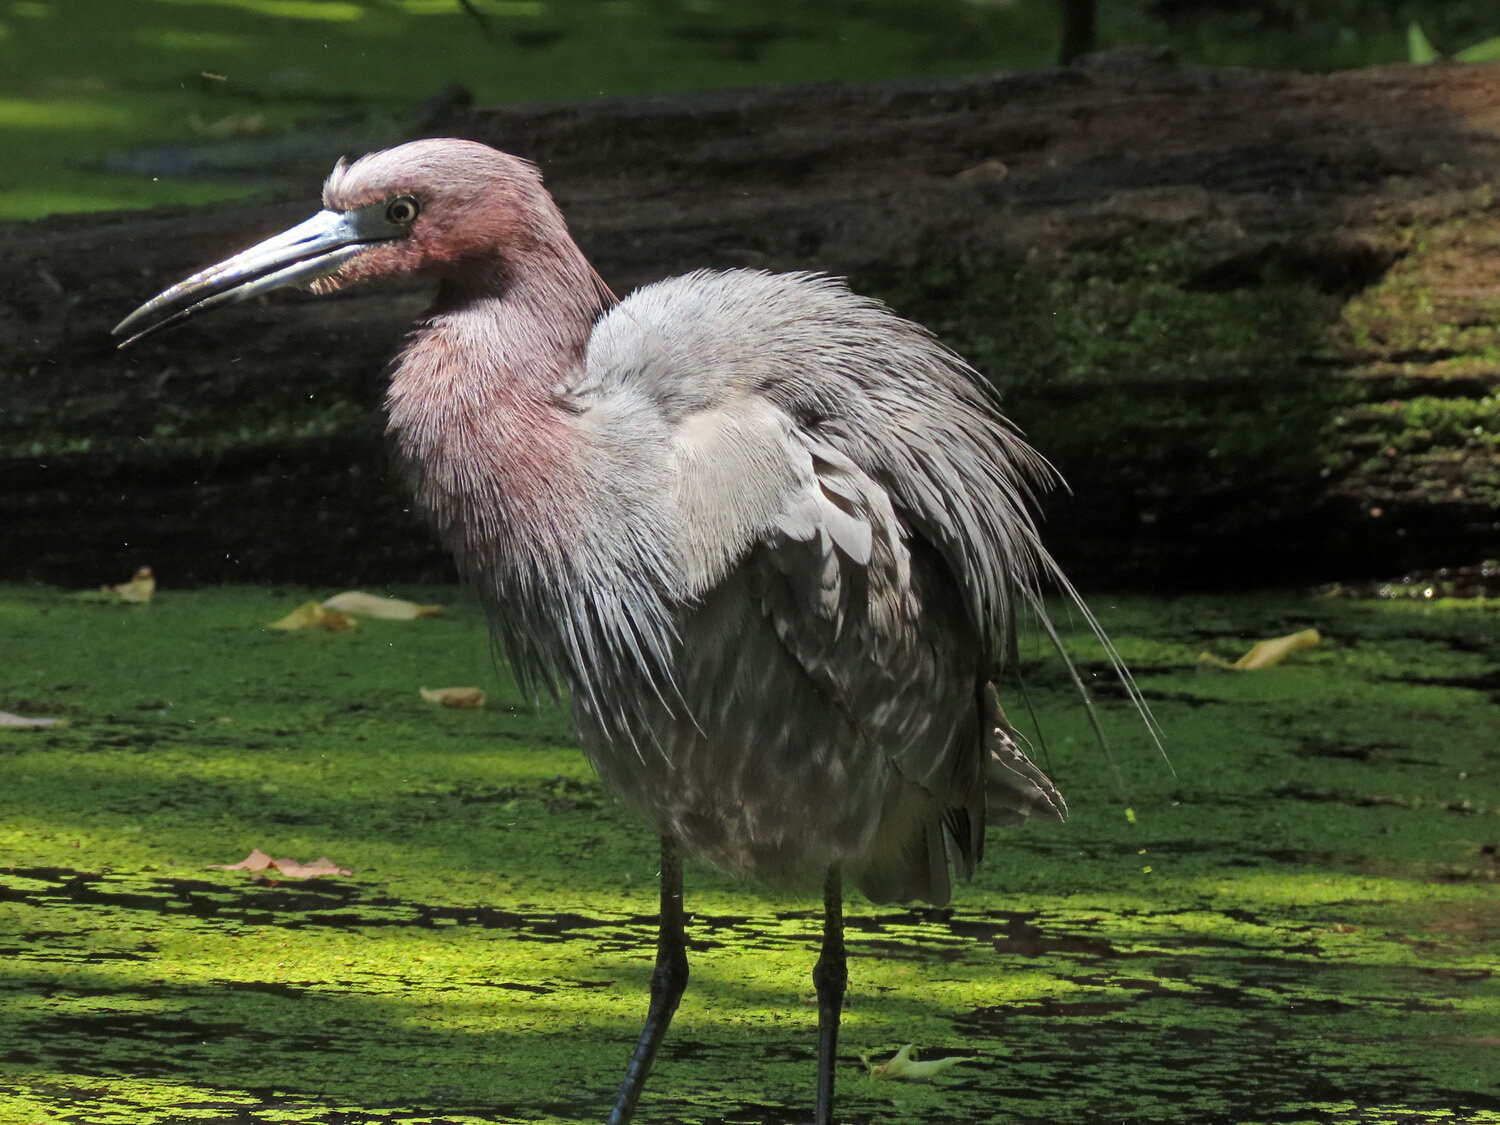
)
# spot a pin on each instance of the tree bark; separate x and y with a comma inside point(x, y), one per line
point(1078, 20)
point(1251, 317)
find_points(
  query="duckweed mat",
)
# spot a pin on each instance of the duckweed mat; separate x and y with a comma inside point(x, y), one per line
point(1298, 922)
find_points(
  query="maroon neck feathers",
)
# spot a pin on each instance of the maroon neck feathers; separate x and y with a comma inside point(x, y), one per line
point(493, 453)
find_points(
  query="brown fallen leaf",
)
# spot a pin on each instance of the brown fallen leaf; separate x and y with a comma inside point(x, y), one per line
point(1266, 653)
point(138, 591)
point(9, 720)
point(229, 127)
point(314, 870)
point(313, 616)
point(904, 1064)
point(462, 698)
point(258, 861)
point(371, 605)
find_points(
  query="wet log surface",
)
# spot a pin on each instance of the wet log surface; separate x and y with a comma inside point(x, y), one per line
point(1251, 317)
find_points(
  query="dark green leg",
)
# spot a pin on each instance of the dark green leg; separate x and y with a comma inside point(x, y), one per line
point(667, 983)
point(830, 976)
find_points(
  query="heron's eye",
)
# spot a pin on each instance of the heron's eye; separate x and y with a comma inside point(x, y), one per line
point(402, 210)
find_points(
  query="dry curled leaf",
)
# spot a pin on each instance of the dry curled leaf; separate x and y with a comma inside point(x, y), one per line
point(316, 869)
point(140, 588)
point(1266, 653)
point(371, 605)
point(228, 127)
point(9, 720)
point(904, 1064)
point(314, 616)
point(258, 861)
point(463, 698)
point(137, 591)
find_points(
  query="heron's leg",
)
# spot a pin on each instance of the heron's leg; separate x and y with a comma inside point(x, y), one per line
point(830, 975)
point(667, 983)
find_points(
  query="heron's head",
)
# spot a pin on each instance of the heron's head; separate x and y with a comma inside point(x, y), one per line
point(452, 209)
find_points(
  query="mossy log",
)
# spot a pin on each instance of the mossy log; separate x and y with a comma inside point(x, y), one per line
point(1252, 318)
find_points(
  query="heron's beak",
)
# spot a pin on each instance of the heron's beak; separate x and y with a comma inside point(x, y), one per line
point(299, 256)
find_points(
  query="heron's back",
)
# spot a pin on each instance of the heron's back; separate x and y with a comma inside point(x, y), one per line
point(847, 536)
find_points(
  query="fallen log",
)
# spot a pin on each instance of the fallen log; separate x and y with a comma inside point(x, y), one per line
point(1251, 316)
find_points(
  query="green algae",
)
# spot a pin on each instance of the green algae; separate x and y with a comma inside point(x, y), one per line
point(1146, 357)
point(1300, 925)
point(1131, 350)
point(1135, 307)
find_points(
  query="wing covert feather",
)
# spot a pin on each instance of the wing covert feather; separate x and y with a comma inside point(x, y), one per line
point(840, 471)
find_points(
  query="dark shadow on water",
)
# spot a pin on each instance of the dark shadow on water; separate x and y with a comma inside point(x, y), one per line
point(1171, 1017)
point(326, 903)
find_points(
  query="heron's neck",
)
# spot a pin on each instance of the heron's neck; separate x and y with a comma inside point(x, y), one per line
point(493, 452)
point(551, 507)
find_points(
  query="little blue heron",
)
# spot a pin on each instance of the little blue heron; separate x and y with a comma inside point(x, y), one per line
point(771, 537)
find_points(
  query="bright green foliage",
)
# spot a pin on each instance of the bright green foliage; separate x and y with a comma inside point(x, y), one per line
point(1422, 51)
point(1485, 51)
point(1299, 925)
point(1419, 48)
point(85, 84)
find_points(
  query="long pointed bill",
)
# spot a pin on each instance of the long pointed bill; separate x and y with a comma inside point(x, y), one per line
point(299, 256)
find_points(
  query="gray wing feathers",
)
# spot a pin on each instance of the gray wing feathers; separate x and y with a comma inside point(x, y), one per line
point(1015, 790)
point(877, 389)
point(849, 468)
point(849, 520)
point(732, 478)
point(913, 674)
